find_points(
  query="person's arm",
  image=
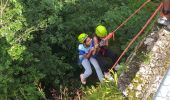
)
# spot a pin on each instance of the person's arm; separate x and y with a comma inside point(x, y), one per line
point(83, 52)
point(88, 55)
point(96, 45)
point(106, 41)
point(96, 42)
point(94, 51)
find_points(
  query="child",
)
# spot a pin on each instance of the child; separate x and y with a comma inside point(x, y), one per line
point(86, 52)
point(100, 34)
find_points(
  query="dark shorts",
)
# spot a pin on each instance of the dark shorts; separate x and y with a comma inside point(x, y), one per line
point(105, 52)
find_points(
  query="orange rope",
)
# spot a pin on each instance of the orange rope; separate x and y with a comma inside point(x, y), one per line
point(111, 34)
point(140, 32)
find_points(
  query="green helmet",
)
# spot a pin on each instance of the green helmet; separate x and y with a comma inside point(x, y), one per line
point(101, 31)
point(82, 37)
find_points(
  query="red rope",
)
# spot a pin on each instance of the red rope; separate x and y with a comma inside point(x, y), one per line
point(111, 34)
point(140, 32)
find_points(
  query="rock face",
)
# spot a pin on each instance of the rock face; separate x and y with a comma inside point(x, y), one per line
point(146, 66)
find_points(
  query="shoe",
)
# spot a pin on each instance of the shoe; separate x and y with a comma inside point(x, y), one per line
point(163, 21)
point(108, 76)
point(83, 81)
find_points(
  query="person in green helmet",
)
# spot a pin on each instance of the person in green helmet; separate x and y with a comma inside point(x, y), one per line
point(86, 51)
point(102, 50)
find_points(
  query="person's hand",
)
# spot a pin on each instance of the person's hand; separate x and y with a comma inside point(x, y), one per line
point(96, 46)
point(92, 49)
point(102, 42)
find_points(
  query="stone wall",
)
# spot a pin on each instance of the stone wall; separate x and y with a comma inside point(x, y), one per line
point(146, 66)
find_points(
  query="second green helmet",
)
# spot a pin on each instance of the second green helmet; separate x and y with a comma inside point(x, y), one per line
point(101, 31)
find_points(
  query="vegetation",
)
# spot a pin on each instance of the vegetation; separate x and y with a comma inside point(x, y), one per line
point(38, 42)
point(104, 91)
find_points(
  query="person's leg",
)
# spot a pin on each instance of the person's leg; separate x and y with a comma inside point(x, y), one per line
point(97, 68)
point(108, 53)
point(102, 63)
point(100, 55)
point(87, 67)
point(111, 55)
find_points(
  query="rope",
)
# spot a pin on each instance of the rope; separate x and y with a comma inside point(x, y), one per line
point(140, 32)
point(111, 34)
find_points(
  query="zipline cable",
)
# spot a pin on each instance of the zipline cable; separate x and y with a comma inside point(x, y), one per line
point(139, 33)
point(123, 23)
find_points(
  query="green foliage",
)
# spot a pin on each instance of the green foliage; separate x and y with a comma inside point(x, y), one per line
point(108, 90)
point(18, 79)
point(38, 41)
point(117, 15)
point(16, 51)
point(145, 57)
